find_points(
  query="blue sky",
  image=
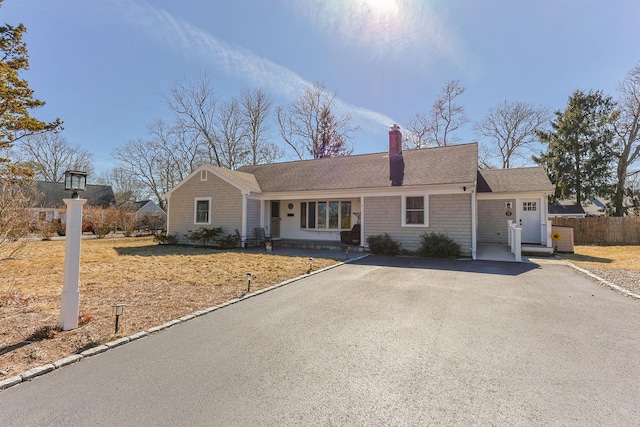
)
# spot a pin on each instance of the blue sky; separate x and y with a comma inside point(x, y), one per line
point(103, 65)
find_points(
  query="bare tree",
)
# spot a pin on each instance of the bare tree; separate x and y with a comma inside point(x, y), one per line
point(230, 136)
point(511, 128)
point(153, 166)
point(627, 142)
point(444, 118)
point(17, 195)
point(147, 162)
point(126, 187)
point(49, 155)
point(256, 109)
point(301, 124)
point(194, 103)
point(184, 150)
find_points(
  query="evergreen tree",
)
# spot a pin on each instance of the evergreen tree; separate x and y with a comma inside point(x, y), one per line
point(16, 98)
point(579, 154)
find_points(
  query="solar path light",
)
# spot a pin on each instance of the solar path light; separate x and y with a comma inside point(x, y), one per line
point(117, 310)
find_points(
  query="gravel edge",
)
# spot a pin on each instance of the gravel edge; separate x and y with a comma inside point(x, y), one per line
point(625, 278)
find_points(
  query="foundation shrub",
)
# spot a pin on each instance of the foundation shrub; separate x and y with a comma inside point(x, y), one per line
point(438, 245)
point(383, 244)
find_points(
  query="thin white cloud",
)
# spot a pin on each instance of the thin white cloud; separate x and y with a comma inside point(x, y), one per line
point(196, 42)
point(407, 29)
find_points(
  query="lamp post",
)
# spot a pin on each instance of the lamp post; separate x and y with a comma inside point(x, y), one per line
point(70, 301)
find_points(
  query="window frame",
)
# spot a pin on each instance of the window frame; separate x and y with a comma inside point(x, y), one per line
point(311, 220)
point(425, 210)
point(195, 210)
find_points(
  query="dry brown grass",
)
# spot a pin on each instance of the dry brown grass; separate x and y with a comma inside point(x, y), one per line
point(608, 257)
point(157, 284)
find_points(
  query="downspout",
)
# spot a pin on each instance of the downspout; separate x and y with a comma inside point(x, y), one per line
point(474, 223)
point(362, 242)
point(168, 210)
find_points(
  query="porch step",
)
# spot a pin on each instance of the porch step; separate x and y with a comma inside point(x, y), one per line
point(536, 250)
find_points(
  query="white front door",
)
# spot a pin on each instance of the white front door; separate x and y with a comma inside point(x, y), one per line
point(530, 221)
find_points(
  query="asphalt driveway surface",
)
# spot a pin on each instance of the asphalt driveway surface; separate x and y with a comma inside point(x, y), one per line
point(383, 341)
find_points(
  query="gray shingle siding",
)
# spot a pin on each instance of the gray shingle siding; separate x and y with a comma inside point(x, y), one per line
point(226, 206)
point(492, 220)
point(253, 216)
point(448, 214)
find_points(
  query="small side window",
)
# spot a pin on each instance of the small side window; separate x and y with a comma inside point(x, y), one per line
point(415, 211)
point(203, 211)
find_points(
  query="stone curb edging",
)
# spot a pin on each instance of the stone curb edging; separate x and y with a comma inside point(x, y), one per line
point(41, 370)
point(601, 280)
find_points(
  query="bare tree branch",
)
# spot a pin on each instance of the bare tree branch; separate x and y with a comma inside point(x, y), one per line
point(303, 124)
point(511, 128)
point(444, 118)
point(49, 154)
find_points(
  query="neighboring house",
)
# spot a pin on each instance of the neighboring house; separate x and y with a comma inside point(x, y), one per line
point(563, 210)
point(146, 208)
point(404, 194)
point(51, 195)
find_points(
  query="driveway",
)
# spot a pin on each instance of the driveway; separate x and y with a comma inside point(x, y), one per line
point(382, 341)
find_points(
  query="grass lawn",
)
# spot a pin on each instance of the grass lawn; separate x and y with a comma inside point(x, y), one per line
point(608, 257)
point(157, 284)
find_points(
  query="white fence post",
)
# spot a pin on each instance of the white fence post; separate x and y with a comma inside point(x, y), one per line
point(518, 242)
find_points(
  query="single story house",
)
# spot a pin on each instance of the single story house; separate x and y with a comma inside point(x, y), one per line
point(51, 194)
point(404, 193)
point(145, 208)
point(566, 210)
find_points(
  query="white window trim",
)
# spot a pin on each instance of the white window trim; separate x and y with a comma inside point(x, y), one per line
point(326, 229)
point(426, 211)
point(195, 210)
point(203, 175)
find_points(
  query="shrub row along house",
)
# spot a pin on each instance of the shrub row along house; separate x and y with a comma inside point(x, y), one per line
point(402, 193)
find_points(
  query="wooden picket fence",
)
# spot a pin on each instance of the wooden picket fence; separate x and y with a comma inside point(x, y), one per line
point(603, 230)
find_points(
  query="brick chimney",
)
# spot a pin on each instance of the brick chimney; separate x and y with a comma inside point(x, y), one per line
point(396, 161)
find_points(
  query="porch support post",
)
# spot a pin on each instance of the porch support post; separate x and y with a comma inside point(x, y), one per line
point(549, 230)
point(262, 205)
point(518, 239)
point(362, 242)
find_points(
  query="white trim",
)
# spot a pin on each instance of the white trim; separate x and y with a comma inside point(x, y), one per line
point(243, 231)
point(362, 241)
point(203, 174)
point(404, 210)
point(474, 224)
point(363, 192)
point(209, 168)
point(195, 210)
point(505, 196)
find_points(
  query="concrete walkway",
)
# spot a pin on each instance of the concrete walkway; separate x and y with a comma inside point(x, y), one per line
point(494, 252)
point(382, 341)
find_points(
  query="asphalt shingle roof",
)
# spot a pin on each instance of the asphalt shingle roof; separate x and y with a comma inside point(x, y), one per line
point(513, 180)
point(428, 166)
point(52, 193)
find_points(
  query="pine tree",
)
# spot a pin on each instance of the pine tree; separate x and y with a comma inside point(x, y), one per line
point(579, 154)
